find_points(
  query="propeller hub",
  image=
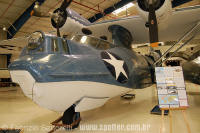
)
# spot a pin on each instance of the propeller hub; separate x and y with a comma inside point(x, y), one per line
point(144, 4)
point(58, 18)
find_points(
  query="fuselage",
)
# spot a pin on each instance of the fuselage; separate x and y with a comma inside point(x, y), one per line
point(59, 73)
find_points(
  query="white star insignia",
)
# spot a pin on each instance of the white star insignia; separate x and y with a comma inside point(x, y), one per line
point(117, 64)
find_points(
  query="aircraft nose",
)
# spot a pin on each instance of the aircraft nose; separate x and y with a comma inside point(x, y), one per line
point(20, 74)
point(20, 64)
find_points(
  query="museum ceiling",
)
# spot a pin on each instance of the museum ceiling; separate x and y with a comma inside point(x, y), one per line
point(11, 10)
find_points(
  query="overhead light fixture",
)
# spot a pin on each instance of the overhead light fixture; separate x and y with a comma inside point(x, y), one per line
point(124, 8)
point(4, 29)
point(37, 5)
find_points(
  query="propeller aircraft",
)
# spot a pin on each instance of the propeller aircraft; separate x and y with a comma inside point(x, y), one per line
point(97, 63)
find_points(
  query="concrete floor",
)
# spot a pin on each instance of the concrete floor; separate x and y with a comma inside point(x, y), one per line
point(20, 112)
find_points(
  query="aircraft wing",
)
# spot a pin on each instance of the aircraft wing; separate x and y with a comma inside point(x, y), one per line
point(179, 23)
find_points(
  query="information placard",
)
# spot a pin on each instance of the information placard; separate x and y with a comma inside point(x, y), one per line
point(171, 87)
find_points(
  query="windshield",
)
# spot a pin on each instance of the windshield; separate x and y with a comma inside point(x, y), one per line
point(35, 40)
point(92, 41)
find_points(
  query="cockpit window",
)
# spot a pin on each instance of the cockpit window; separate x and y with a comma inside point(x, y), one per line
point(54, 46)
point(92, 41)
point(35, 40)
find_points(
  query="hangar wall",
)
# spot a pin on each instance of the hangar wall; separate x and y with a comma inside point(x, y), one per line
point(3, 58)
point(3, 35)
point(3, 61)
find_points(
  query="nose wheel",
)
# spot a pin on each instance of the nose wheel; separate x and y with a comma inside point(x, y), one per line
point(72, 118)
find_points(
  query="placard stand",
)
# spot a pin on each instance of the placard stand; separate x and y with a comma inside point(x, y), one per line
point(170, 118)
point(171, 93)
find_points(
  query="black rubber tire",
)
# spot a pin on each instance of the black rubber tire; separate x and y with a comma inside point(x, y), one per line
point(70, 116)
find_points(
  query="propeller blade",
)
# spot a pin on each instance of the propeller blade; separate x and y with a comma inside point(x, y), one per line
point(61, 16)
point(65, 4)
point(153, 25)
point(58, 31)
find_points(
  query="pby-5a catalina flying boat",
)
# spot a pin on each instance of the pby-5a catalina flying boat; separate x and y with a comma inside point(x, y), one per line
point(82, 73)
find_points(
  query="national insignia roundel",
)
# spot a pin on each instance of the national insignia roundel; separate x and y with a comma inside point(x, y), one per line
point(117, 66)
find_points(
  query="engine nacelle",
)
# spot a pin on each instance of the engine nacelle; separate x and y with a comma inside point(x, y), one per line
point(163, 11)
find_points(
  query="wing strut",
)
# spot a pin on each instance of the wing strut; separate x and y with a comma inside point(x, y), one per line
point(191, 34)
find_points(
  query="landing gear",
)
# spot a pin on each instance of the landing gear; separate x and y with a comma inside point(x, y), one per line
point(72, 118)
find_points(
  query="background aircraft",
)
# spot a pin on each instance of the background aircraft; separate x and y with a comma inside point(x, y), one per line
point(172, 24)
point(190, 61)
point(84, 72)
